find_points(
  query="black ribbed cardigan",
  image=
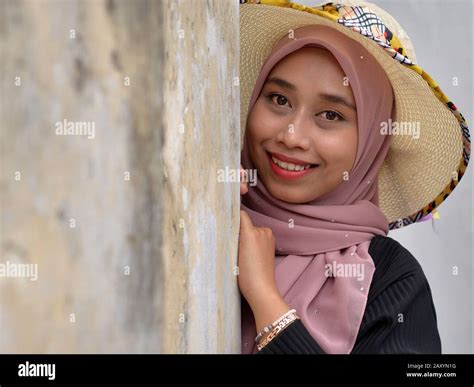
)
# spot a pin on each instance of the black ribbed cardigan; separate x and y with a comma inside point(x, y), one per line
point(398, 286)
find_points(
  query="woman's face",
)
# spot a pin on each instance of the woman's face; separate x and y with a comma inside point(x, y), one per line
point(305, 111)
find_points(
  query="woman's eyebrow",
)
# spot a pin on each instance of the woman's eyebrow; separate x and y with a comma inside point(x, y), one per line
point(282, 83)
point(326, 96)
point(337, 99)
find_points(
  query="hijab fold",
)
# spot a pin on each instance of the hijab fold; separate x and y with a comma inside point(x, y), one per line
point(337, 227)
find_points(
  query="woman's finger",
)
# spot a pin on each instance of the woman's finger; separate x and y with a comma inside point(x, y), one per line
point(245, 221)
point(243, 184)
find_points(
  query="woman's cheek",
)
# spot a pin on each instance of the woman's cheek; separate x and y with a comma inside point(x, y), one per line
point(260, 124)
point(341, 150)
point(268, 123)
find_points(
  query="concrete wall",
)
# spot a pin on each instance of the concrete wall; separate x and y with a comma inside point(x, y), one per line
point(133, 237)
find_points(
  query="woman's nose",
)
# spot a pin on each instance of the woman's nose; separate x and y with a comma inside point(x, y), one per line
point(296, 133)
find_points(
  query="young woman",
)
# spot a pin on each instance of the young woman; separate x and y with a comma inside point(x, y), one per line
point(325, 91)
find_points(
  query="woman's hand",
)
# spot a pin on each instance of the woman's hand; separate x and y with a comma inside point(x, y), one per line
point(256, 262)
point(257, 272)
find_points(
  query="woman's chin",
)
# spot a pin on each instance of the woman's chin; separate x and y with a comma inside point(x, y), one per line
point(287, 195)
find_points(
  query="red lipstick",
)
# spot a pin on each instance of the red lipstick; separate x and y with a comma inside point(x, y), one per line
point(285, 173)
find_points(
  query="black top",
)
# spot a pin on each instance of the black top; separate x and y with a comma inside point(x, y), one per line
point(398, 286)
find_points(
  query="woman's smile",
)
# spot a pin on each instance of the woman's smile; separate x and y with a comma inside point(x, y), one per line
point(289, 170)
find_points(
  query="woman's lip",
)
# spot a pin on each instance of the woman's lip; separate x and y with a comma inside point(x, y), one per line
point(288, 175)
point(287, 159)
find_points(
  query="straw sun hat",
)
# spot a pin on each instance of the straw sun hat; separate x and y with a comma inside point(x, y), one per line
point(418, 173)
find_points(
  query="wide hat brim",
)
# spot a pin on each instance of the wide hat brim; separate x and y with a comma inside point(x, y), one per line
point(418, 174)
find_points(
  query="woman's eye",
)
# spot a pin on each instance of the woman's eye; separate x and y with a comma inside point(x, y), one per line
point(278, 99)
point(331, 115)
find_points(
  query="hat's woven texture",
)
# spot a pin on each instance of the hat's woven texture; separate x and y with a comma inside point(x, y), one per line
point(418, 173)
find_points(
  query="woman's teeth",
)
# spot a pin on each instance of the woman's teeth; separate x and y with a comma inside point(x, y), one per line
point(289, 166)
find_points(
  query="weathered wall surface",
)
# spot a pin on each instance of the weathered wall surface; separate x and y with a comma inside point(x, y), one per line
point(203, 136)
point(115, 118)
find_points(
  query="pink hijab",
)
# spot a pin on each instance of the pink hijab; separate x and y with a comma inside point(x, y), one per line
point(336, 227)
